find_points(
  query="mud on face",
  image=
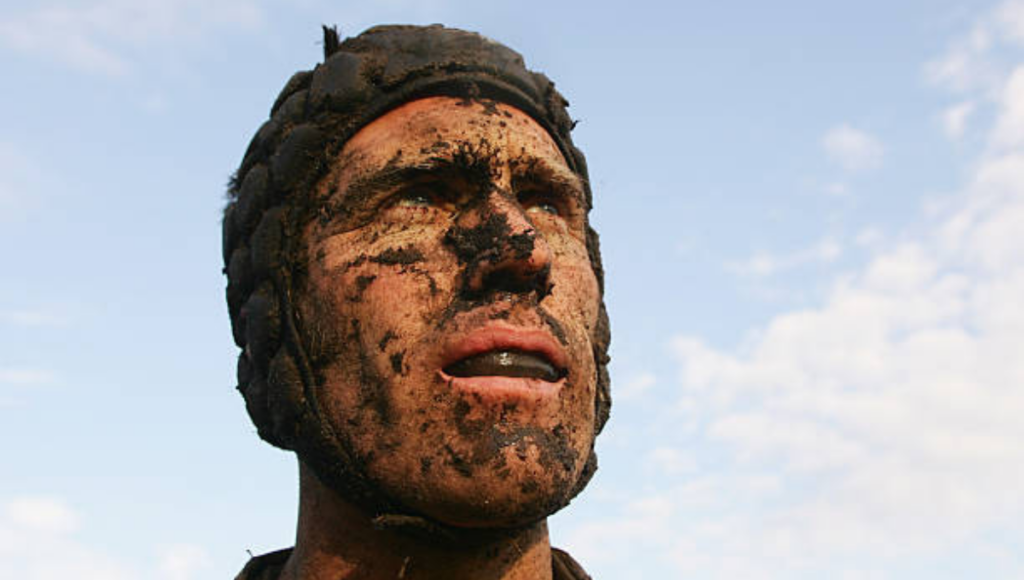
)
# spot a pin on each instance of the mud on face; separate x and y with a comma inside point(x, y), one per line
point(408, 277)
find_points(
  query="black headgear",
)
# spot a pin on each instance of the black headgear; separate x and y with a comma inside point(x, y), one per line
point(271, 200)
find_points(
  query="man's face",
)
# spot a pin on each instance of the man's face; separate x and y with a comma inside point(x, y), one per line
point(453, 305)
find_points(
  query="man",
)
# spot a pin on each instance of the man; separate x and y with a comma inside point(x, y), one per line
point(417, 293)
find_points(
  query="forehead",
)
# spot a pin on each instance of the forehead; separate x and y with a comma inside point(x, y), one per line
point(433, 127)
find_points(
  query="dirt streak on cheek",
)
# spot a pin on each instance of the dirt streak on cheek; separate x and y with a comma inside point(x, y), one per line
point(556, 327)
point(373, 390)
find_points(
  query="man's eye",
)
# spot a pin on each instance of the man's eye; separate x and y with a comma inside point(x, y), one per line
point(416, 198)
point(533, 202)
point(545, 207)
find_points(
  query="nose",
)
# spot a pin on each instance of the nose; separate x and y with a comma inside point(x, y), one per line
point(500, 249)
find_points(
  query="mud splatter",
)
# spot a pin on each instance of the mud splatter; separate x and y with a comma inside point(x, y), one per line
point(362, 283)
point(396, 362)
point(554, 325)
point(373, 390)
point(481, 242)
point(490, 107)
point(398, 256)
point(458, 462)
point(388, 337)
point(359, 261)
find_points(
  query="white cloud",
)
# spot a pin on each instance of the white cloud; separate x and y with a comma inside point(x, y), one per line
point(42, 514)
point(640, 525)
point(45, 538)
point(965, 67)
point(670, 460)
point(954, 119)
point(890, 413)
point(763, 263)
point(869, 236)
point(38, 542)
point(31, 318)
point(25, 376)
point(760, 264)
point(644, 526)
point(635, 387)
point(837, 189)
point(1009, 19)
point(973, 62)
point(100, 37)
point(878, 431)
point(1009, 128)
point(183, 561)
point(62, 34)
point(852, 149)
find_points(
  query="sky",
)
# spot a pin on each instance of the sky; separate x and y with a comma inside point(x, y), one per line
point(812, 218)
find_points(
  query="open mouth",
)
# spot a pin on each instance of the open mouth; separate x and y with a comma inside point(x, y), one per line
point(507, 363)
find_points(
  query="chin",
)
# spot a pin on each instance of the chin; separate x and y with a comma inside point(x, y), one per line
point(510, 492)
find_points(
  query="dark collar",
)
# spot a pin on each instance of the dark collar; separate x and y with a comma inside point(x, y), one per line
point(268, 566)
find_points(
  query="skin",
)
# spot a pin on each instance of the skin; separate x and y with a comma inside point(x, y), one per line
point(449, 227)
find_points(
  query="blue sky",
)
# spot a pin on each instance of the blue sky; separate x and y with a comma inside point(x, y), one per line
point(813, 224)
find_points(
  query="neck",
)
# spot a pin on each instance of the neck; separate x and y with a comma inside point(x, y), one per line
point(336, 541)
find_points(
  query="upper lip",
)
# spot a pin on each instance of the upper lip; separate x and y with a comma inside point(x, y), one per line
point(499, 337)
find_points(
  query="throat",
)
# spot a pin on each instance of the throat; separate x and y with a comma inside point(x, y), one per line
point(338, 541)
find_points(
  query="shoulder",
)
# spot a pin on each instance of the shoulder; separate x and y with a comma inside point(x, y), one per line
point(565, 568)
point(265, 567)
point(268, 566)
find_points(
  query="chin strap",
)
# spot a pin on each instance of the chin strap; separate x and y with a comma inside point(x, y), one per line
point(418, 526)
point(428, 530)
point(311, 437)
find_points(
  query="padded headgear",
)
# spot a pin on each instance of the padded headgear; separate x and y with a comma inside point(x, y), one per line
point(271, 200)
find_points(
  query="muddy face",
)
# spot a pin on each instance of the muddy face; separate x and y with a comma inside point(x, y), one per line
point(456, 305)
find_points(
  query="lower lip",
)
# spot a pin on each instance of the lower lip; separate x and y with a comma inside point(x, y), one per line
point(498, 389)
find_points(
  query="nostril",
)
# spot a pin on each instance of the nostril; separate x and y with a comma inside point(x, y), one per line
point(516, 281)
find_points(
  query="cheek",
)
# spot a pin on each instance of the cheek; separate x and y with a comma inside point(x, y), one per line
point(407, 291)
point(575, 294)
point(575, 302)
point(406, 301)
point(373, 302)
point(401, 275)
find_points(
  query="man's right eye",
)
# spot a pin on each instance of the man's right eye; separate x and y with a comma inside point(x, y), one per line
point(416, 198)
point(424, 196)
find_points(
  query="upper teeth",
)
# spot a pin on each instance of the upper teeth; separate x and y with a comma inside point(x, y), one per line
point(508, 363)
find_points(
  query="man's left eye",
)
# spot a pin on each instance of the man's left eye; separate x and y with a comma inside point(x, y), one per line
point(544, 206)
point(415, 199)
point(534, 201)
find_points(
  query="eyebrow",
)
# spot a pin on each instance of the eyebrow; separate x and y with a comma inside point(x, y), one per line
point(388, 177)
point(392, 175)
point(562, 178)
